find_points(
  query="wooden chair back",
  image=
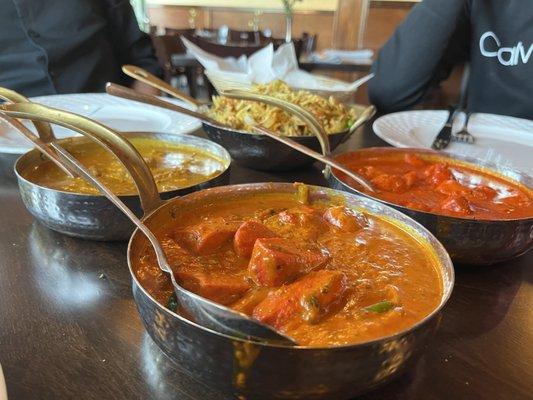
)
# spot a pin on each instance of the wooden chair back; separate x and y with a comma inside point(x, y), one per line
point(245, 37)
point(237, 50)
point(188, 32)
point(165, 46)
point(227, 50)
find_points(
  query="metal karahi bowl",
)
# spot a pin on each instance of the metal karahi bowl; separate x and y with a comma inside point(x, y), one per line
point(468, 241)
point(266, 154)
point(94, 216)
point(235, 367)
point(246, 148)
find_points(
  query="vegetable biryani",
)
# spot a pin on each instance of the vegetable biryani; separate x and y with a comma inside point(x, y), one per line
point(334, 116)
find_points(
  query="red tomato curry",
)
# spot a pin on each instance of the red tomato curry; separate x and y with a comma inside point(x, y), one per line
point(430, 183)
point(323, 274)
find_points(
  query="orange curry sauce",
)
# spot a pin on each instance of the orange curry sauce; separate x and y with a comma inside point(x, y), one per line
point(436, 184)
point(323, 274)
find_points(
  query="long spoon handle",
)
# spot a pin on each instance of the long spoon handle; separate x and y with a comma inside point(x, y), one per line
point(214, 315)
point(317, 156)
point(146, 77)
point(111, 140)
point(68, 161)
point(130, 94)
point(308, 118)
point(44, 147)
point(72, 162)
point(44, 129)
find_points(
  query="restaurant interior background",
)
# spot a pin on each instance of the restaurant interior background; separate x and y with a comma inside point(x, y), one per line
point(334, 24)
point(309, 244)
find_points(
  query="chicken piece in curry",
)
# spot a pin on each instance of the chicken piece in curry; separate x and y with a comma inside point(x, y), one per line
point(322, 273)
point(174, 166)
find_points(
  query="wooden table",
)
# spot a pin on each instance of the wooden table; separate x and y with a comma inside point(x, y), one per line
point(69, 328)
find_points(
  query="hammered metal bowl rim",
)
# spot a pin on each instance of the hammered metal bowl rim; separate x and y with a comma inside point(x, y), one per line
point(361, 107)
point(445, 263)
point(479, 164)
point(225, 160)
point(293, 137)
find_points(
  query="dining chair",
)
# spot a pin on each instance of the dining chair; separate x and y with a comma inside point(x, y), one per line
point(189, 33)
point(167, 45)
point(245, 37)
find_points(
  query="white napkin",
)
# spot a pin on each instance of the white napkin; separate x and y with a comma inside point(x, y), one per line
point(266, 65)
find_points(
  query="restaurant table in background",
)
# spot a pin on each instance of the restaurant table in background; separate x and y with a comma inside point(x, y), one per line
point(362, 65)
point(69, 327)
point(188, 61)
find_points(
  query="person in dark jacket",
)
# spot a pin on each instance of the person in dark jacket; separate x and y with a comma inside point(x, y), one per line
point(495, 37)
point(70, 46)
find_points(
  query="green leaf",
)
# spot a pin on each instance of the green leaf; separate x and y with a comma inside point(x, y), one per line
point(172, 303)
point(381, 307)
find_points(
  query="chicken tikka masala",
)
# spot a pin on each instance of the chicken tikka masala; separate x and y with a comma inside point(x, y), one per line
point(322, 273)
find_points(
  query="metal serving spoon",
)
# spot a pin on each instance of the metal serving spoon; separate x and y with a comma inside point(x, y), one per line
point(149, 79)
point(326, 159)
point(117, 90)
point(44, 130)
point(315, 127)
point(39, 143)
point(204, 311)
point(130, 94)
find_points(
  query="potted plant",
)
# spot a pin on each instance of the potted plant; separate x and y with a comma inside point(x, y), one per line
point(288, 6)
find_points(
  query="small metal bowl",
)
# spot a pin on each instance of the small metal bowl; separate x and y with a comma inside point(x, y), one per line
point(94, 216)
point(266, 154)
point(235, 367)
point(468, 241)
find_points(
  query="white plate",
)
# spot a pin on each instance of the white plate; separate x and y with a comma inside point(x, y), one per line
point(117, 113)
point(500, 140)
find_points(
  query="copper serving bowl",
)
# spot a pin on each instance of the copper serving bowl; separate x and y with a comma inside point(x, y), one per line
point(469, 241)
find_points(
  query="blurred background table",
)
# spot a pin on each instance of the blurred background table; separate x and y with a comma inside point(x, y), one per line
point(331, 24)
point(308, 64)
point(69, 327)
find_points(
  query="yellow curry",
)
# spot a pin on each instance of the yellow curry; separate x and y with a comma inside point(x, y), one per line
point(323, 274)
point(173, 166)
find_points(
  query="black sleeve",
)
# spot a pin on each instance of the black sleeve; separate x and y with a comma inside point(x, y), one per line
point(421, 53)
point(132, 46)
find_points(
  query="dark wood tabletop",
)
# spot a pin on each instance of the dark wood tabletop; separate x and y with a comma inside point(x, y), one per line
point(69, 328)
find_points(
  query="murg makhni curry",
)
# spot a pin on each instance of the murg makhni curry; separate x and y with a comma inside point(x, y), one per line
point(323, 274)
point(173, 166)
point(439, 185)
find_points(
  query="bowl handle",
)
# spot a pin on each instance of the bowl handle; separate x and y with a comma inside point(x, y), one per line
point(109, 139)
point(44, 130)
point(291, 108)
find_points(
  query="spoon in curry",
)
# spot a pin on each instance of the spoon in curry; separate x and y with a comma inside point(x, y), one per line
point(326, 159)
point(205, 312)
point(130, 94)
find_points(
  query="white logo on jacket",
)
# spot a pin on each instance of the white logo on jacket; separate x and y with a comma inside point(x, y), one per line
point(507, 56)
